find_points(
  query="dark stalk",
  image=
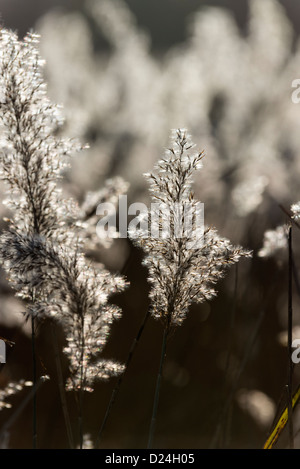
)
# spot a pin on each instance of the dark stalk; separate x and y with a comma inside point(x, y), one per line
point(21, 407)
point(157, 390)
point(225, 424)
point(121, 378)
point(62, 388)
point(34, 417)
point(232, 322)
point(296, 277)
point(290, 332)
point(81, 390)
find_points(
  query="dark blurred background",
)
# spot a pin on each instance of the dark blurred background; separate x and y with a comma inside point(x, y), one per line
point(164, 20)
point(243, 326)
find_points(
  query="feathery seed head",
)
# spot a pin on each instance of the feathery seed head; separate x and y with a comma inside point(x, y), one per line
point(182, 269)
point(42, 249)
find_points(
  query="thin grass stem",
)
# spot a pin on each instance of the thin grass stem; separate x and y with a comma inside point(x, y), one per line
point(121, 378)
point(157, 389)
point(62, 388)
point(290, 332)
point(227, 405)
point(34, 416)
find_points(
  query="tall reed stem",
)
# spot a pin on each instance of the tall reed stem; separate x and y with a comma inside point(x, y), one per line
point(81, 390)
point(157, 390)
point(290, 332)
point(62, 388)
point(121, 377)
point(34, 417)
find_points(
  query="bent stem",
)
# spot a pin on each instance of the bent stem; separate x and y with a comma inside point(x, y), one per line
point(121, 377)
point(157, 390)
